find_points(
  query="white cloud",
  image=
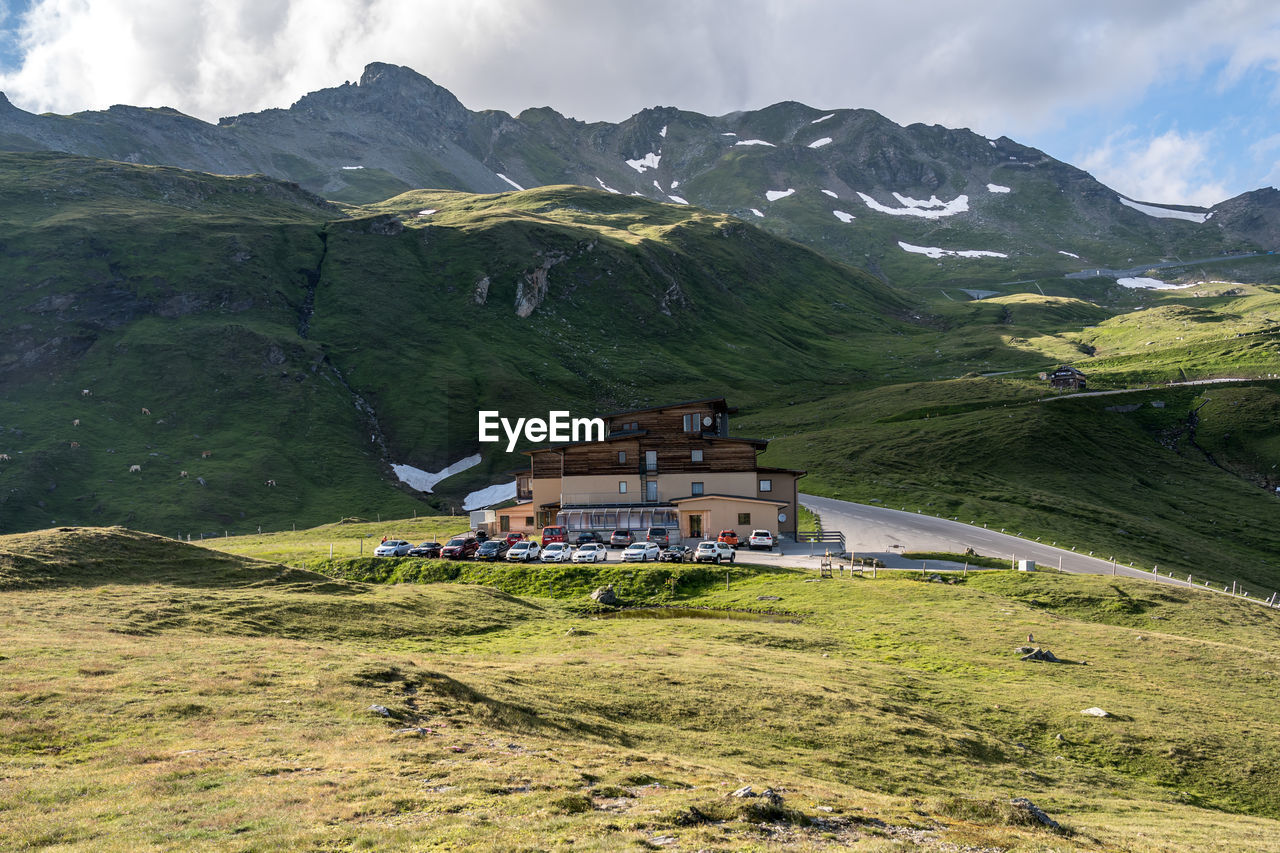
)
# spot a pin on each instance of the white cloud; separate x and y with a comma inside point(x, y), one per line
point(1006, 67)
point(1172, 168)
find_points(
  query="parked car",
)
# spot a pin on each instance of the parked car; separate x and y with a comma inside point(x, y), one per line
point(556, 552)
point(676, 554)
point(554, 534)
point(714, 552)
point(658, 535)
point(584, 538)
point(513, 537)
point(641, 552)
point(393, 548)
point(621, 538)
point(460, 548)
point(481, 536)
point(760, 539)
point(729, 537)
point(426, 549)
point(592, 552)
point(523, 551)
point(492, 549)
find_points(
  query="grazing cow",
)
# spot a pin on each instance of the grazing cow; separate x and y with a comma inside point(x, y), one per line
point(145, 410)
point(5, 457)
point(182, 473)
point(205, 454)
point(200, 480)
point(75, 444)
point(76, 422)
point(135, 469)
point(86, 393)
point(271, 482)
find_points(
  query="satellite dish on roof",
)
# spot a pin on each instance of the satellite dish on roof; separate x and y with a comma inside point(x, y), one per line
point(706, 421)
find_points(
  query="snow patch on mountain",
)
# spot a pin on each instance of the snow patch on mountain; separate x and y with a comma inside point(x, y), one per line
point(508, 180)
point(425, 481)
point(824, 118)
point(660, 189)
point(663, 132)
point(351, 168)
point(648, 161)
point(830, 193)
point(754, 142)
point(935, 252)
point(818, 143)
point(677, 199)
point(675, 184)
point(996, 188)
point(489, 496)
point(756, 212)
point(425, 213)
point(774, 195)
point(1141, 283)
point(934, 208)
point(1069, 254)
point(843, 217)
point(606, 187)
point(1163, 212)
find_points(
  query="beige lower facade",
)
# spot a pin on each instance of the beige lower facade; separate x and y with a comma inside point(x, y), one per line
point(521, 518)
point(704, 517)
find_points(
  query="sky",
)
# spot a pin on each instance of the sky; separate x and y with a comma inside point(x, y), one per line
point(1172, 101)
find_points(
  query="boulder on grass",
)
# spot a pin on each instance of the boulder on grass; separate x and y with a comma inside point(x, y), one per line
point(606, 596)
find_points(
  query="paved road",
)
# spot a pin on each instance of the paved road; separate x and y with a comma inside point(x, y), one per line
point(1143, 388)
point(876, 529)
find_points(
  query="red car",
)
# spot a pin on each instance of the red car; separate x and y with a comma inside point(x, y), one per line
point(554, 534)
point(513, 538)
point(460, 548)
point(729, 537)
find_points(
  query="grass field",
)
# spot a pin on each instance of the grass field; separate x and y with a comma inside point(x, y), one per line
point(161, 696)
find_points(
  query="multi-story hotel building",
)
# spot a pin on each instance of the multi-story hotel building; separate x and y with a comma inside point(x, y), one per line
point(673, 466)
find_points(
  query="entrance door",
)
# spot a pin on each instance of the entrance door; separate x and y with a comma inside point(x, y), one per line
point(695, 526)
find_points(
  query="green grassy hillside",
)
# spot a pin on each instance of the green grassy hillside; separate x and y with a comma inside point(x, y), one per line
point(216, 697)
point(245, 332)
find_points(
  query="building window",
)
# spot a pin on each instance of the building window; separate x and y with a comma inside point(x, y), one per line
point(528, 521)
point(744, 518)
point(695, 455)
point(766, 485)
point(696, 488)
point(622, 487)
point(622, 457)
point(504, 523)
point(691, 423)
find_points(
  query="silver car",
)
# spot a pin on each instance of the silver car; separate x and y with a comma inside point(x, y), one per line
point(641, 552)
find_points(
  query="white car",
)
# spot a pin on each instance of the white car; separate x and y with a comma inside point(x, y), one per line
point(592, 552)
point(760, 539)
point(524, 550)
point(556, 552)
point(393, 548)
point(641, 552)
point(713, 552)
